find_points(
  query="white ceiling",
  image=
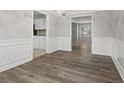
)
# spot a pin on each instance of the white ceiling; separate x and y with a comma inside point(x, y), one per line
point(71, 12)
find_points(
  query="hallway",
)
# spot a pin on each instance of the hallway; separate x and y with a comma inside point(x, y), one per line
point(82, 47)
point(76, 66)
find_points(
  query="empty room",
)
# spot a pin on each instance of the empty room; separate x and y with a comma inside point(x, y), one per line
point(61, 46)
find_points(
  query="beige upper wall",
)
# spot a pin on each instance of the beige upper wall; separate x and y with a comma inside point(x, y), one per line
point(102, 24)
point(118, 24)
point(15, 24)
point(109, 24)
point(53, 25)
point(64, 27)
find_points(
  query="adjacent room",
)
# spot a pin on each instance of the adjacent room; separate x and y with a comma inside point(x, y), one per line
point(39, 34)
point(82, 34)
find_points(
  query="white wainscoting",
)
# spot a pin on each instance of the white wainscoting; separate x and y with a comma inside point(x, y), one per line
point(59, 43)
point(118, 56)
point(52, 44)
point(14, 53)
point(39, 42)
point(102, 46)
point(119, 67)
point(64, 43)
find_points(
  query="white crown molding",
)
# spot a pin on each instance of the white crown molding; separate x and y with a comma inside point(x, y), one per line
point(71, 12)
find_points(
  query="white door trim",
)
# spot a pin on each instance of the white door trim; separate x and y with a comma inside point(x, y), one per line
point(77, 32)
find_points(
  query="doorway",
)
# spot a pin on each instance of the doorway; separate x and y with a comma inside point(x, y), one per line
point(81, 27)
point(39, 34)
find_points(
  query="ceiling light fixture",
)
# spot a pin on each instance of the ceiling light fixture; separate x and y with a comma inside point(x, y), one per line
point(61, 12)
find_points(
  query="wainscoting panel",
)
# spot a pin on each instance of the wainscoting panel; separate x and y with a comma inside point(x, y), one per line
point(14, 52)
point(52, 45)
point(64, 43)
point(118, 55)
point(102, 46)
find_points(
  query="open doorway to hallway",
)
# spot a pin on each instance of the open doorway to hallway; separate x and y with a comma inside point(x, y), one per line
point(39, 34)
point(82, 35)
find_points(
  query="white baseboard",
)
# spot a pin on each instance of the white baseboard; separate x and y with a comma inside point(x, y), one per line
point(119, 67)
point(100, 53)
point(14, 64)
